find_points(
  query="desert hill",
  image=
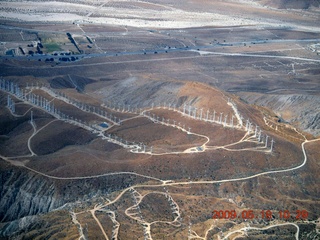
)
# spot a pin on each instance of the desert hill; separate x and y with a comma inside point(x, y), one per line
point(148, 119)
point(69, 166)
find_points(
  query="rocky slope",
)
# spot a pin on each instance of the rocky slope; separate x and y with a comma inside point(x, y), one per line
point(24, 193)
point(140, 92)
point(300, 110)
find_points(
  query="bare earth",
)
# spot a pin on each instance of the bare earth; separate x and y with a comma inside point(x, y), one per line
point(159, 119)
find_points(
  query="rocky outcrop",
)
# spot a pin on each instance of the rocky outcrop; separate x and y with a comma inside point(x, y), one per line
point(300, 110)
point(16, 226)
point(24, 193)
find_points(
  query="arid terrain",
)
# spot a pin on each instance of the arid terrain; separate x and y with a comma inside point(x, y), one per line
point(160, 119)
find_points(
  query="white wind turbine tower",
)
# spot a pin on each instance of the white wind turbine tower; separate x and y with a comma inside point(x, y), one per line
point(45, 102)
point(247, 125)
point(201, 113)
point(207, 118)
point(8, 101)
point(24, 94)
point(225, 120)
point(241, 122)
point(266, 141)
point(31, 117)
point(221, 117)
point(11, 87)
point(256, 131)
point(293, 70)
point(13, 107)
point(259, 136)
point(272, 142)
point(232, 121)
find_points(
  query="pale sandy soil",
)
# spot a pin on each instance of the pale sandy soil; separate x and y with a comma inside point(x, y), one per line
point(139, 17)
point(144, 13)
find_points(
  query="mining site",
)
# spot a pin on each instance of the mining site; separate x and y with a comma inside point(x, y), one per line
point(160, 119)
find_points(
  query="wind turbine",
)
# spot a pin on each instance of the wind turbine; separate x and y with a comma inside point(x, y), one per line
point(272, 142)
point(8, 101)
point(266, 141)
point(247, 124)
point(232, 121)
point(259, 136)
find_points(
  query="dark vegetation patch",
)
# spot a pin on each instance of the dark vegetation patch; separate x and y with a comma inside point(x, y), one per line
point(15, 143)
point(57, 136)
point(72, 81)
point(306, 229)
point(155, 207)
point(9, 123)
